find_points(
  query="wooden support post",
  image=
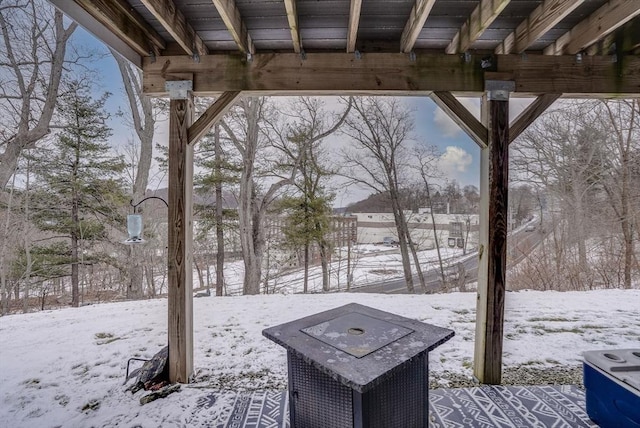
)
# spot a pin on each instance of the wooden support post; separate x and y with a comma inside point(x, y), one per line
point(180, 299)
point(493, 240)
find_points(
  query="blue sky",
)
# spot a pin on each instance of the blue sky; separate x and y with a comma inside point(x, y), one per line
point(460, 158)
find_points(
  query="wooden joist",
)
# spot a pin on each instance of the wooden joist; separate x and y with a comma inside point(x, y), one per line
point(539, 22)
point(602, 22)
point(292, 17)
point(341, 73)
point(354, 22)
point(481, 18)
point(125, 23)
point(233, 21)
point(174, 21)
point(419, 14)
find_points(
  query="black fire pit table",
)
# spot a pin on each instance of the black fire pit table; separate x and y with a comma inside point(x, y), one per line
point(356, 366)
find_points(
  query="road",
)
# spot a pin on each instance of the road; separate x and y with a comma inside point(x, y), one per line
point(519, 244)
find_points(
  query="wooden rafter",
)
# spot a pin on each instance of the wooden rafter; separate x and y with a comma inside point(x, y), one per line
point(462, 116)
point(354, 22)
point(233, 21)
point(292, 17)
point(531, 113)
point(481, 18)
point(125, 23)
point(412, 28)
point(602, 22)
point(541, 20)
point(213, 113)
point(174, 21)
point(341, 73)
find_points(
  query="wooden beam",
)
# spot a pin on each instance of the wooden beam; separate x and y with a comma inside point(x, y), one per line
point(481, 18)
point(215, 111)
point(174, 21)
point(354, 23)
point(541, 20)
point(490, 317)
point(384, 73)
point(419, 14)
point(123, 21)
point(600, 23)
point(180, 292)
point(463, 117)
point(233, 21)
point(531, 113)
point(102, 32)
point(292, 17)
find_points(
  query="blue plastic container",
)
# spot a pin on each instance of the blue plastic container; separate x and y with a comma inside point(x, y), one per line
point(612, 384)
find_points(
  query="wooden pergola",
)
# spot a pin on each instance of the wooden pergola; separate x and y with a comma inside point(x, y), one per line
point(494, 49)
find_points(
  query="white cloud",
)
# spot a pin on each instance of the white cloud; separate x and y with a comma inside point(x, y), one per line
point(454, 161)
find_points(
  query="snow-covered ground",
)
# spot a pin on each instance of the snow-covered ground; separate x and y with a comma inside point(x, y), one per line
point(66, 367)
point(369, 263)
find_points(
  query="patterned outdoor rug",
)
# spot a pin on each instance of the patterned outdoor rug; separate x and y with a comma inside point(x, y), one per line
point(482, 407)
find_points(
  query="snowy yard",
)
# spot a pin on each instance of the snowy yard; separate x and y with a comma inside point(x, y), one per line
point(66, 367)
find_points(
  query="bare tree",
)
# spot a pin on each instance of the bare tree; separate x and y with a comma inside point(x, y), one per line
point(622, 118)
point(245, 128)
point(299, 136)
point(143, 121)
point(426, 162)
point(31, 65)
point(560, 153)
point(381, 129)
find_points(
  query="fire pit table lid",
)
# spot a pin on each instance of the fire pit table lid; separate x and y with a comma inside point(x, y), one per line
point(379, 344)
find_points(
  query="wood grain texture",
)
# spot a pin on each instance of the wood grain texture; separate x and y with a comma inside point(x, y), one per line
point(341, 73)
point(354, 23)
point(603, 21)
point(233, 21)
point(419, 14)
point(174, 21)
point(461, 116)
point(531, 113)
point(180, 292)
point(497, 239)
point(541, 20)
point(292, 17)
point(214, 112)
point(125, 23)
point(481, 18)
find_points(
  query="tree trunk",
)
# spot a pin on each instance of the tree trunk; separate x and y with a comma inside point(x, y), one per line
point(75, 229)
point(150, 281)
point(27, 245)
point(141, 110)
point(219, 215)
point(402, 238)
point(75, 295)
point(135, 273)
point(199, 272)
point(305, 261)
point(5, 294)
point(324, 260)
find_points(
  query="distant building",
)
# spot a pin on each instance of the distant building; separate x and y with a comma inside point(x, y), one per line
point(452, 230)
